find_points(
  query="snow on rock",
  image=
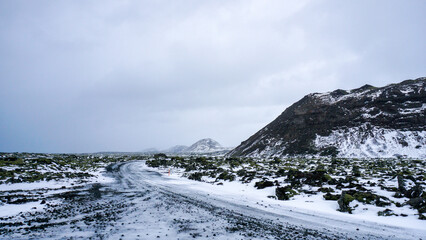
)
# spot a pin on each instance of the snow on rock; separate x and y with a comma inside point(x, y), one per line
point(375, 142)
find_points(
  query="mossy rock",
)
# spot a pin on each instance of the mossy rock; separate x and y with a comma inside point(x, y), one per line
point(4, 174)
point(330, 196)
point(414, 192)
point(195, 176)
point(387, 212)
point(365, 197)
point(44, 161)
point(350, 179)
point(356, 172)
point(381, 201)
point(241, 172)
point(344, 201)
point(190, 167)
point(285, 193)
point(314, 178)
point(325, 190)
point(281, 172)
point(226, 176)
point(263, 184)
point(328, 178)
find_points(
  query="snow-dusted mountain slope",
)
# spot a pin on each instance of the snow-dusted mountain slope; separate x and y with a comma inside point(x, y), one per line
point(202, 146)
point(206, 145)
point(176, 149)
point(368, 121)
point(365, 141)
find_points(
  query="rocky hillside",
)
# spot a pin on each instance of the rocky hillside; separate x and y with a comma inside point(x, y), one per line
point(368, 121)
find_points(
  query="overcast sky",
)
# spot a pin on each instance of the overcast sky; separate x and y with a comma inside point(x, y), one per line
point(87, 76)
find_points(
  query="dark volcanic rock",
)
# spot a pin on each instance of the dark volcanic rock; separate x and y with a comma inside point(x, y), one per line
point(364, 122)
point(263, 184)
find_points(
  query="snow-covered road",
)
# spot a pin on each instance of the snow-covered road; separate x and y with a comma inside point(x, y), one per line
point(147, 204)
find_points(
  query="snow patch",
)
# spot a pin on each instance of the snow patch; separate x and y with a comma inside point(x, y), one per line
point(371, 142)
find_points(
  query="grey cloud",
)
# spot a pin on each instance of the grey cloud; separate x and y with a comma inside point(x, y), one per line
point(81, 76)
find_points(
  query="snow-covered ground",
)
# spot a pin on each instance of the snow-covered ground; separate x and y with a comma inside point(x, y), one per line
point(98, 177)
point(148, 203)
point(310, 208)
point(315, 205)
point(47, 188)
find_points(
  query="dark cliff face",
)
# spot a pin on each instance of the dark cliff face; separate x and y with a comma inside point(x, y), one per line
point(396, 106)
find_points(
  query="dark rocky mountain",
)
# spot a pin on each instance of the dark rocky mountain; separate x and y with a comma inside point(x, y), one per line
point(368, 121)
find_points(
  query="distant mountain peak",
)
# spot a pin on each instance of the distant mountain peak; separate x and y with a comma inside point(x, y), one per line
point(205, 145)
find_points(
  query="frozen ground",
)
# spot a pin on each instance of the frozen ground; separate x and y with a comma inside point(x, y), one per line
point(143, 203)
point(310, 209)
point(306, 204)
